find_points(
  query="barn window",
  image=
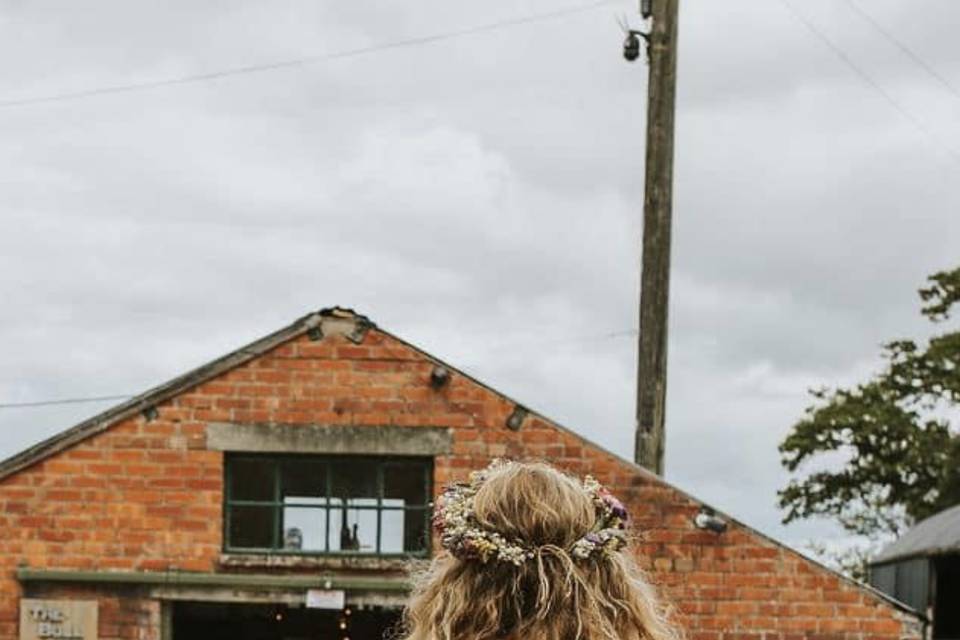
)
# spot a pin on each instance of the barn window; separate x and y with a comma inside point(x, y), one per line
point(300, 504)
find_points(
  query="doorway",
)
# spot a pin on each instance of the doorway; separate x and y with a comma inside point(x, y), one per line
point(946, 614)
point(216, 621)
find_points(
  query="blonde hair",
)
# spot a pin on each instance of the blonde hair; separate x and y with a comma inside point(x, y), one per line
point(552, 596)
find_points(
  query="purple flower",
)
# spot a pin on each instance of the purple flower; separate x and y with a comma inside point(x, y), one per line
point(616, 507)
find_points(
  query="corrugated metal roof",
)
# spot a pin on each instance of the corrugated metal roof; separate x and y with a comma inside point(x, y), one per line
point(936, 535)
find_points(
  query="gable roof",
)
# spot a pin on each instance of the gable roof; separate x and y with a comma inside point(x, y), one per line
point(939, 534)
point(140, 403)
point(357, 327)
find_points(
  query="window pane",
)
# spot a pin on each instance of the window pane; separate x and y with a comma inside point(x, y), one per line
point(251, 527)
point(304, 528)
point(354, 480)
point(403, 531)
point(251, 479)
point(302, 478)
point(391, 533)
point(405, 482)
point(348, 505)
point(415, 530)
point(353, 530)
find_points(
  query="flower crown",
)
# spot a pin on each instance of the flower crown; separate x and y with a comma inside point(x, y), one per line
point(461, 534)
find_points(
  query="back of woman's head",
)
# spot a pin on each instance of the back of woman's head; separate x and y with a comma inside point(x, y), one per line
point(533, 553)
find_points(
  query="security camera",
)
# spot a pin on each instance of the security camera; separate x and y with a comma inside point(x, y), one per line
point(631, 45)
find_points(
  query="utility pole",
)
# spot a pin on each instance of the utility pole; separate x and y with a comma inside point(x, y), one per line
point(657, 209)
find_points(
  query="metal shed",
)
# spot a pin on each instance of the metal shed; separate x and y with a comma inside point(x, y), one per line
point(922, 569)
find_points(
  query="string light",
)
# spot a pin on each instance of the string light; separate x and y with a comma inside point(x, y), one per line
point(345, 623)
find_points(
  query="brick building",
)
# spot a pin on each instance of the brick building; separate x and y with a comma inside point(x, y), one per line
point(277, 492)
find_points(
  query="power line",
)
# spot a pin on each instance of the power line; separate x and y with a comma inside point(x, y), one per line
point(49, 403)
point(300, 62)
point(910, 53)
point(550, 342)
point(868, 79)
point(610, 335)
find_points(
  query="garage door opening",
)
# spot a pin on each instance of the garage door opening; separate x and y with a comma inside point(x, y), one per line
point(214, 621)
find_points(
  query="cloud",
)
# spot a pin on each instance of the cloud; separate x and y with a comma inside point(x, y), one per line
point(481, 197)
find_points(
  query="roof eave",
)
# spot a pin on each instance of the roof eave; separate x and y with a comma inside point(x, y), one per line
point(106, 419)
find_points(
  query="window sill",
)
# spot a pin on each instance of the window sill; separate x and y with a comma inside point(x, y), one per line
point(289, 561)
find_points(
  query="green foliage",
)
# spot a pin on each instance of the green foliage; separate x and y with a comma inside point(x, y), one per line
point(943, 292)
point(885, 452)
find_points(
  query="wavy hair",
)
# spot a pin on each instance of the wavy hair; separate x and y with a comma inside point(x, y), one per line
point(553, 596)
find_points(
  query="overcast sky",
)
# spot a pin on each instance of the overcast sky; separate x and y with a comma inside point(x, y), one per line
point(481, 197)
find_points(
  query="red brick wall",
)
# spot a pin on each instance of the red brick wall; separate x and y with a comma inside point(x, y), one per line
point(122, 614)
point(146, 496)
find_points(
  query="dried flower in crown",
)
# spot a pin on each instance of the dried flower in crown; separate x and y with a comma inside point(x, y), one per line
point(465, 538)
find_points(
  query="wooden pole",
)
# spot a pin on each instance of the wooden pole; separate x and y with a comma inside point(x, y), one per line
point(655, 269)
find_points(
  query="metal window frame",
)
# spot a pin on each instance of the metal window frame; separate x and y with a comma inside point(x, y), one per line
point(277, 462)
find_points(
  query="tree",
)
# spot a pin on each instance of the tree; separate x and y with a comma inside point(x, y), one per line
point(881, 455)
point(852, 559)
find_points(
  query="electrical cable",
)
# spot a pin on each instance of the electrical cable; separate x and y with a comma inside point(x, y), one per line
point(197, 78)
point(899, 44)
point(869, 80)
point(48, 403)
point(300, 62)
point(572, 340)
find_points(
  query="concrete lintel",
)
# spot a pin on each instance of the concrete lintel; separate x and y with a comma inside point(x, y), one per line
point(372, 440)
point(294, 562)
point(291, 598)
point(214, 580)
point(294, 598)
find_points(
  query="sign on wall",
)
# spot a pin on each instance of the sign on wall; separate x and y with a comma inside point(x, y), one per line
point(325, 599)
point(58, 619)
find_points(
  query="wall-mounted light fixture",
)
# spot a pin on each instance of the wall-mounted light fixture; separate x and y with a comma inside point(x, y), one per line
point(515, 421)
point(708, 520)
point(439, 377)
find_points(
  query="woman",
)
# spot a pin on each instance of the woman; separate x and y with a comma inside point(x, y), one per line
point(533, 554)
